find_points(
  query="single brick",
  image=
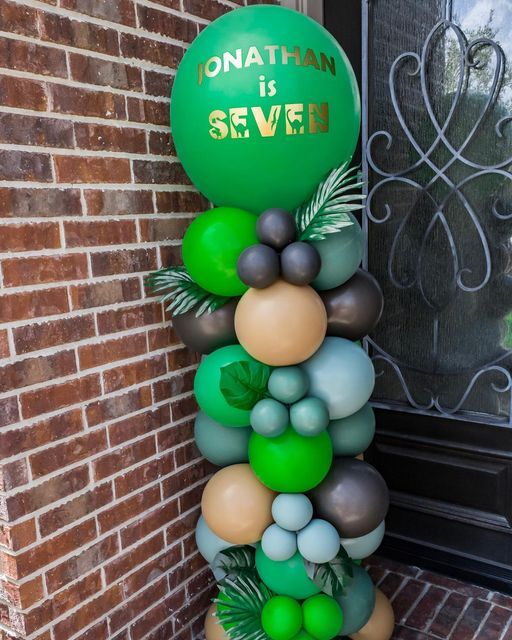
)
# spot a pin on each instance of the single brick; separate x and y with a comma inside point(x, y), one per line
point(23, 271)
point(13, 474)
point(158, 84)
point(93, 355)
point(19, 55)
point(49, 334)
point(100, 294)
point(24, 373)
point(87, 102)
point(148, 111)
point(98, 232)
point(180, 201)
point(4, 344)
point(101, 137)
point(159, 230)
point(117, 406)
point(208, 9)
point(50, 132)
point(17, 536)
point(123, 261)
point(159, 172)
point(136, 372)
point(75, 169)
point(167, 24)
point(20, 203)
point(15, 18)
point(129, 318)
point(34, 403)
point(33, 304)
point(166, 55)
point(104, 72)
point(117, 203)
point(22, 165)
point(23, 93)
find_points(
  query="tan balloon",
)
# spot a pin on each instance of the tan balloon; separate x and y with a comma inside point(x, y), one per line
point(281, 325)
point(212, 629)
point(381, 624)
point(236, 505)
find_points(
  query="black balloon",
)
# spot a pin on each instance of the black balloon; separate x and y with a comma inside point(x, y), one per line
point(258, 266)
point(277, 228)
point(208, 332)
point(300, 263)
point(355, 307)
point(353, 497)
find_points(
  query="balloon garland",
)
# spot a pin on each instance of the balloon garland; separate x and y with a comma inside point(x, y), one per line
point(264, 105)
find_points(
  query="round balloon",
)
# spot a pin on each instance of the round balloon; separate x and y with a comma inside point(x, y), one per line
point(212, 245)
point(281, 618)
point(381, 624)
point(357, 601)
point(353, 497)
point(288, 578)
point(364, 546)
point(276, 228)
point(279, 544)
point(209, 331)
point(288, 384)
point(264, 105)
point(341, 253)
point(352, 435)
point(219, 444)
point(292, 511)
point(354, 308)
point(258, 266)
point(290, 463)
point(323, 617)
point(319, 541)
point(342, 375)
point(269, 418)
point(237, 507)
point(207, 387)
point(212, 629)
point(209, 544)
point(282, 324)
point(309, 416)
point(300, 263)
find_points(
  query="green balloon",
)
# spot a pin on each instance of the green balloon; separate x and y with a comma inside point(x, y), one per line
point(323, 617)
point(303, 635)
point(341, 255)
point(288, 384)
point(212, 246)
point(357, 601)
point(352, 435)
point(290, 463)
point(219, 444)
point(287, 577)
point(207, 386)
point(281, 618)
point(264, 105)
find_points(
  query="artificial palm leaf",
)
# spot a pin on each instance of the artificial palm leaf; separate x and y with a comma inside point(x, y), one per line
point(331, 577)
point(239, 561)
point(184, 293)
point(239, 606)
point(327, 211)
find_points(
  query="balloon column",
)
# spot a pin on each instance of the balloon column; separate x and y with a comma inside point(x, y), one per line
point(265, 117)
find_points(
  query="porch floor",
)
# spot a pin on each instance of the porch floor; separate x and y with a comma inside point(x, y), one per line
point(429, 605)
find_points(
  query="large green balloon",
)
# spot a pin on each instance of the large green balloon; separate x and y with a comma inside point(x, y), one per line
point(290, 463)
point(219, 444)
point(341, 255)
point(212, 246)
point(357, 601)
point(286, 578)
point(207, 386)
point(264, 105)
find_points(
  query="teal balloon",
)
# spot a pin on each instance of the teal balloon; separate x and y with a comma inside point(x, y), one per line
point(319, 541)
point(288, 384)
point(341, 254)
point(364, 546)
point(207, 386)
point(342, 375)
point(352, 435)
point(278, 544)
point(219, 444)
point(269, 418)
point(357, 601)
point(208, 543)
point(292, 511)
point(287, 578)
point(309, 416)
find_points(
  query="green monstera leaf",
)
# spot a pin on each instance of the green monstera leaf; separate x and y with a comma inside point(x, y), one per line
point(244, 383)
point(331, 577)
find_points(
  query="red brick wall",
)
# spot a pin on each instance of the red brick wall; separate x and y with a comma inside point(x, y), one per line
point(101, 480)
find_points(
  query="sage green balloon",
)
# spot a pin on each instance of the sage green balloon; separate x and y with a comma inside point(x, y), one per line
point(341, 254)
point(357, 601)
point(364, 546)
point(352, 435)
point(219, 444)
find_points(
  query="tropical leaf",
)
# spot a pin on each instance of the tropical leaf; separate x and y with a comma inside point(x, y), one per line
point(238, 561)
point(183, 292)
point(327, 211)
point(331, 577)
point(239, 606)
point(244, 383)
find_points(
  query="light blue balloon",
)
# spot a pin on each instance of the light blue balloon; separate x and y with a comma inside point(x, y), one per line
point(364, 546)
point(288, 384)
point(309, 416)
point(208, 543)
point(278, 544)
point(357, 601)
point(341, 254)
point(342, 375)
point(352, 435)
point(319, 541)
point(292, 511)
point(269, 418)
point(221, 445)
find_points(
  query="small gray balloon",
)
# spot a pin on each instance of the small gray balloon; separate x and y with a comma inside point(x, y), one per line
point(277, 228)
point(258, 266)
point(209, 331)
point(300, 263)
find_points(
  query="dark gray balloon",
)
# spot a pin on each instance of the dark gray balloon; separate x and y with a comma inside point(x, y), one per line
point(353, 497)
point(209, 331)
point(277, 228)
point(258, 266)
point(300, 263)
point(354, 308)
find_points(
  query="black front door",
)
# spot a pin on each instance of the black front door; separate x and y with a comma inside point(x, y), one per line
point(437, 152)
